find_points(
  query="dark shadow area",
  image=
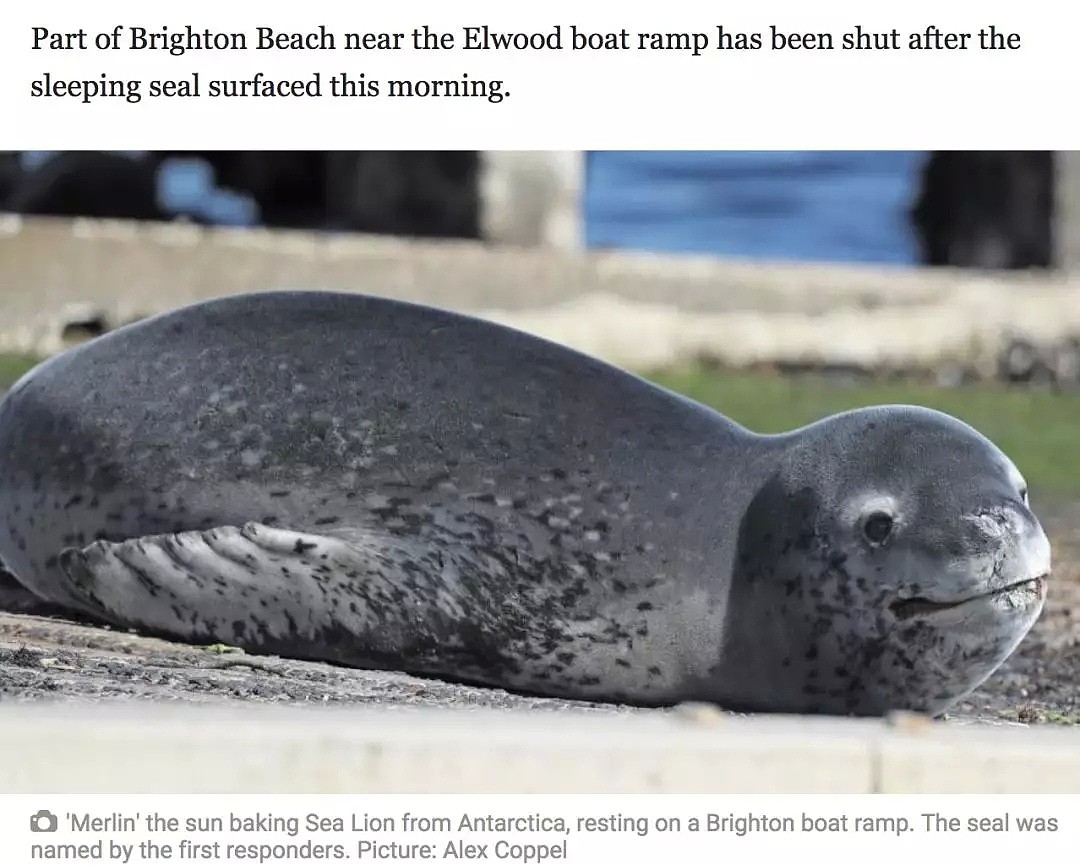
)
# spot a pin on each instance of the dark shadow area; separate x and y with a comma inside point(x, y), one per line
point(990, 210)
point(412, 193)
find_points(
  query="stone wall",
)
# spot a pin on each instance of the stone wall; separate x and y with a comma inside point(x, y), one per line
point(61, 280)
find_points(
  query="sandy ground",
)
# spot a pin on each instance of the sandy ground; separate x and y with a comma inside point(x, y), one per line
point(45, 658)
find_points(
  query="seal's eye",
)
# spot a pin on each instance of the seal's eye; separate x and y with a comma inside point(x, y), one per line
point(1024, 496)
point(878, 527)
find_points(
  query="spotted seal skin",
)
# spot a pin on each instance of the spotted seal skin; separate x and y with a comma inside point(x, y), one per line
point(384, 485)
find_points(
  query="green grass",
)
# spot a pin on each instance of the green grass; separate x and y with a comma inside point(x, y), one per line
point(223, 649)
point(1055, 716)
point(1039, 430)
point(12, 366)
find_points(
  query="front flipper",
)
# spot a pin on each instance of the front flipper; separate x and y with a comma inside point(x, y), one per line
point(261, 588)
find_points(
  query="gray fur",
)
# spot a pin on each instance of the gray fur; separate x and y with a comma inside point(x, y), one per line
point(386, 485)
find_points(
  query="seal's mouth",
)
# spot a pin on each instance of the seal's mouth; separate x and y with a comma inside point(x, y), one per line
point(1016, 595)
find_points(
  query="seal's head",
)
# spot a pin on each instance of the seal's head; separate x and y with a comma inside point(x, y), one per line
point(895, 561)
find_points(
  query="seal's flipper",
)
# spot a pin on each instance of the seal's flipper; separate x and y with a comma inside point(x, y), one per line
point(254, 586)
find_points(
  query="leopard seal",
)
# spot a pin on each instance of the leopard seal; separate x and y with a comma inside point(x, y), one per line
point(385, 485)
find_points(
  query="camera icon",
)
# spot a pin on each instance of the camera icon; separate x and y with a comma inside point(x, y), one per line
point(43, 821)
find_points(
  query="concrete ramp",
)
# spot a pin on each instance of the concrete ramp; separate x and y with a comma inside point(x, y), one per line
point(73, 747)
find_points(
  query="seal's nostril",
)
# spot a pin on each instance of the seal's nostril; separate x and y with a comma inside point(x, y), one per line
point(1008, 518)
point(993, 523)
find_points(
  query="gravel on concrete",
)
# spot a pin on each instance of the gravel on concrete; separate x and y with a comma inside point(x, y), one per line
point(52, 659)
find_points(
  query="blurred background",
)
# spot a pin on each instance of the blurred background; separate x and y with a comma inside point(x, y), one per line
point(779, 287)
point(970, 209)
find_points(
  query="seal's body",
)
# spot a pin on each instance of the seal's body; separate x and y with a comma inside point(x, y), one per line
point(385, 485)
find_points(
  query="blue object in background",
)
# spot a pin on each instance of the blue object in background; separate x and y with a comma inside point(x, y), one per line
point(184, 184)
point(798, 205)
point(802, 205)
point(185, 187)
point(189, 187)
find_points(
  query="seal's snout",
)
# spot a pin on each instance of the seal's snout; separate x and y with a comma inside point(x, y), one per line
point(998, 522)
point(1001, 565)
point(1010, 533)
point(1033, 554)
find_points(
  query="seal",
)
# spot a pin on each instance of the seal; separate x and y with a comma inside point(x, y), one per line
point(384, 485)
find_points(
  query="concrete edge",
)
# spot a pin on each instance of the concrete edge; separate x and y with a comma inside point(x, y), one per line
point(73, 747)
